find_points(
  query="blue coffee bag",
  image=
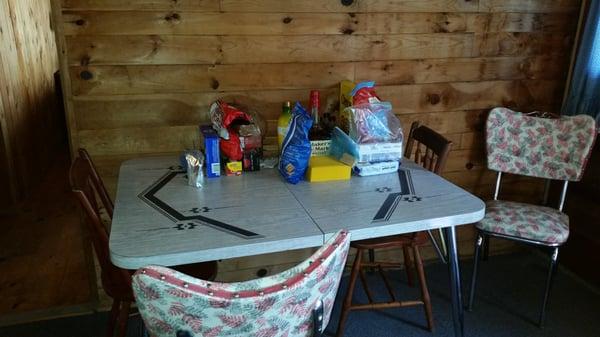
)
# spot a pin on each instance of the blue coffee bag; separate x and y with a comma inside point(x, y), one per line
point(295, 151)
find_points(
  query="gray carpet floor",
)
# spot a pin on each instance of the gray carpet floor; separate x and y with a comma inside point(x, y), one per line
point(507, 303)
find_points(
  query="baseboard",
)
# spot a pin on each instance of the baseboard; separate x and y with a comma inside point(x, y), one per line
point(46, 314)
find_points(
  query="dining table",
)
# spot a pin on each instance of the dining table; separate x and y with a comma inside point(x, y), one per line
point(161, 220)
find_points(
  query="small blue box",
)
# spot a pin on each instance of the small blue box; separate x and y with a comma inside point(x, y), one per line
point(211, 151)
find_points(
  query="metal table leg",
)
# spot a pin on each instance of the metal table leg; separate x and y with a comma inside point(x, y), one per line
point(455, 286)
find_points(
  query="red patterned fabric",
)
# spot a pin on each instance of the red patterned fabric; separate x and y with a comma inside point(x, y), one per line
point(537, 223)
point(278, 305)
point(539, 147)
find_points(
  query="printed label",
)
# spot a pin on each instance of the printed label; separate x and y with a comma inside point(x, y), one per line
point(215, 168)
point(320, 147)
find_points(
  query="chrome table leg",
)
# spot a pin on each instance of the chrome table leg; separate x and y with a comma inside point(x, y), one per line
point(455, 286)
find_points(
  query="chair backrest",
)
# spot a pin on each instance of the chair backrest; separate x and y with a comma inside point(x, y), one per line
point(431, 149)
point(174, 304)
point(539, 147)
point(98, 183)
point(87, 192)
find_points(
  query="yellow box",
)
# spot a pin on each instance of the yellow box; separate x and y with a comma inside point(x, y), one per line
point(233, 168)
point(324, 168)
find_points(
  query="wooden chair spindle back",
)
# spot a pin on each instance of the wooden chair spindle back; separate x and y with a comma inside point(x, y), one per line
point(436, 148)
point(97, 181)
point(87, 192)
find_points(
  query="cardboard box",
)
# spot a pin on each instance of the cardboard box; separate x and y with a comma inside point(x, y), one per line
point(233, 168)
point(371, 169)
point(210, 147)
point(319, 147)
point(364, 153)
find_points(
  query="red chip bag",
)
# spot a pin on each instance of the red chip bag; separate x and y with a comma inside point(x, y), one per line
point(364, 93)
point(231, 147)
point(231, 114)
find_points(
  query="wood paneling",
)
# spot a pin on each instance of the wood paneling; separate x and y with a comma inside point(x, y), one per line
point(357, 6)
point(543, 6)
point(115, 80)
point(29, 117)
point(513, 44)
point(144, 49)
point(195, 5)
point(235, 49)
point(140, 74)
point(460, 69)
point(198, 23)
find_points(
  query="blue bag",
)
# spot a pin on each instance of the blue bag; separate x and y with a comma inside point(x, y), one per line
point(295, 151)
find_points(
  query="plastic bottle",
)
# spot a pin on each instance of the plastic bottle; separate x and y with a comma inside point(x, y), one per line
point(283, 123)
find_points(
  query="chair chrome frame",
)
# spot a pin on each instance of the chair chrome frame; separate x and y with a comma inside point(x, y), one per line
point(318, 327)
point(482, 241)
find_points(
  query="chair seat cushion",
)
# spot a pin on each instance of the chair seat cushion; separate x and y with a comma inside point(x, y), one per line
point(525, 221)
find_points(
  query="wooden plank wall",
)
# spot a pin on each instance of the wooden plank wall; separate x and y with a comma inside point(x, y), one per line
point(29, 115)
point(140, 74)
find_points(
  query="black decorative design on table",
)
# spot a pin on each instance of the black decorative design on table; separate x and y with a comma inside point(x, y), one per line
point(407, 191)
point(383, 189)
point(412, 199)
point(198, 210)
point(184, 222)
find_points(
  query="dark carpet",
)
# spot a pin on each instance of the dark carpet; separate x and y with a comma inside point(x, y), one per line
point(507, 303)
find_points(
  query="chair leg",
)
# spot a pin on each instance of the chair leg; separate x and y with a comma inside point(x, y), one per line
point(408, 265)
point(441, 254)
point(114, 314)
point(363, 281)
point(372, 259)
point(551, 273)
point(486, 247)
point(349, 293)
point(123, 318)
point(424, 290)
point(478, 244)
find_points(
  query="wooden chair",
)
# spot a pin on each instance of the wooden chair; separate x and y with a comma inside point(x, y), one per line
point(549, 148)
point(294, 303)
point(116, 282)
point(98, 183)
point(431, 151)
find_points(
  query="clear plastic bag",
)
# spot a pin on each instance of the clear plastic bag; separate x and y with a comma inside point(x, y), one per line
point(374, 123)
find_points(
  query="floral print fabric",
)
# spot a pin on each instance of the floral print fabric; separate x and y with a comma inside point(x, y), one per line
point(539, 147)
point(538, 223)
point(172, 303)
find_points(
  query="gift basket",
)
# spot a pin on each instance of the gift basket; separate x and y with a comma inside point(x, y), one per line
point(374, 139)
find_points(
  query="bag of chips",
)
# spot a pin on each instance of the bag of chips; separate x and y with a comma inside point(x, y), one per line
point(295, 151)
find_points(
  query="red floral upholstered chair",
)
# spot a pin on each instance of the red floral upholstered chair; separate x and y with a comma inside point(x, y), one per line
point(296, 302)
point(547, 148)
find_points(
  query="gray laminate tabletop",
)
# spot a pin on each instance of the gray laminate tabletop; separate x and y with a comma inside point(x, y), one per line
point(159, 219)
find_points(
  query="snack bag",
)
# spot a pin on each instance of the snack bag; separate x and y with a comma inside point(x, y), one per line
point(295, 151)
point(194, 163)
point(226, 119)
point(363, 93)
